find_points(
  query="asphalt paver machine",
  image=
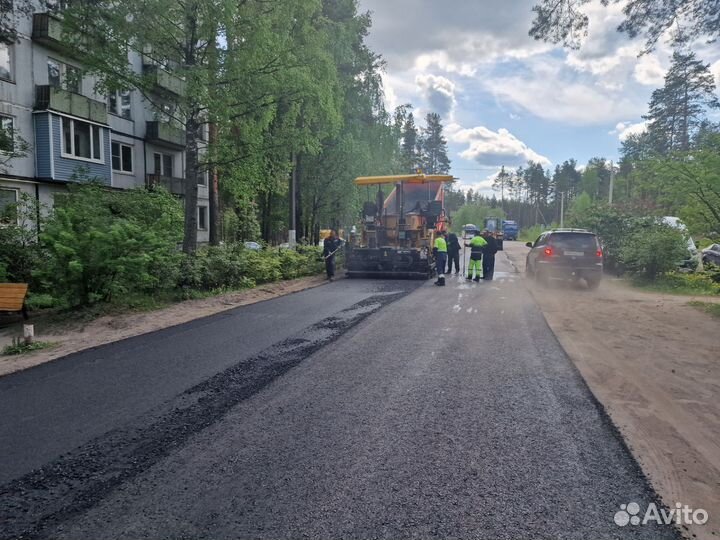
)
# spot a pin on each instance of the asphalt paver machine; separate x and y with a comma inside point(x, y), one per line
point(398, 231)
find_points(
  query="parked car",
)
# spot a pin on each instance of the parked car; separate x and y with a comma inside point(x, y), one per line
point(253, 245)
point(711, 254)
point(566, 254)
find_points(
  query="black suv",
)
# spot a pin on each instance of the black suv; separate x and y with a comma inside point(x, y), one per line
point(565, 254)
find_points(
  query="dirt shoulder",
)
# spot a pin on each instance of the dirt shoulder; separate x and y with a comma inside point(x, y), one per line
point(652, 361)
point(73, 336)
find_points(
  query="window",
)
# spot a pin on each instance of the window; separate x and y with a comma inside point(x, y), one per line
point(202, 217)
point(7, 137)
point(82, 140)
point(6, 61)
point(164, 164)
point(8, 206)
point(122, 157)
point(119, 103)
point(61, 75)
point(204, 178)
point(165, 112)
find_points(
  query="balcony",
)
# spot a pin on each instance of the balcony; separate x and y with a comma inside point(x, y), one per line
point(166, 82)
point(165, 134)
point(47, 29)
point(176, 186)
point(56, 99)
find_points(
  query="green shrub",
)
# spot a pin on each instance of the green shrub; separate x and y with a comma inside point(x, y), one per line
point(653, 250)
point(19, 250)
point(530, 234)
point(712, 271)
point(103, 244)
point(687, 283)
point(613, 226)
point(40, 301)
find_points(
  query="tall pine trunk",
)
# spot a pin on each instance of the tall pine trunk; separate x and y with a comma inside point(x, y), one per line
point(191, 132)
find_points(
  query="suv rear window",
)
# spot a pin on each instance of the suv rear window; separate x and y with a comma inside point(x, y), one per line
point(577, 241)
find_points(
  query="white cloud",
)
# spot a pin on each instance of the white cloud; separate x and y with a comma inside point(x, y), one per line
point(649, 71)
point(715, 70)
point(624, 129)
point(493, 148)
point(440, 60)
point(439, 93)
point(577, 103)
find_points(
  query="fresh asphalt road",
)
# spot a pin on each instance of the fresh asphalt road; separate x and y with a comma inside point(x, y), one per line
point(361, 409)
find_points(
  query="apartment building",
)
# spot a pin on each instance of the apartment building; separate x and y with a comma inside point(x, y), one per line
point(74, 133)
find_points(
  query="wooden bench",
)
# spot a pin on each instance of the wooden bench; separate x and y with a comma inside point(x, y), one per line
point(12, 297)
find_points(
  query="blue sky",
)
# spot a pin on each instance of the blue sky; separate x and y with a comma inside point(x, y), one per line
point(506, 98)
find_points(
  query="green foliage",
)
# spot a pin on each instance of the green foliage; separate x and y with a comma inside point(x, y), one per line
point(475, 214)
point(612, 225)
point(581, 204)
point(530, 234)
point(653, 250)
point(217, 268)
point(302, 262)
point(691, 183)
point(19, 251)
point(682, 283)
point(20, 347)
point(101, 244)
point(709, 308)
point(565, 21)
point(433, 146)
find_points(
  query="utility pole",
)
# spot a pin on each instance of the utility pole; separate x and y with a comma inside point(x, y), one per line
point(612, 183)
point(562, 209)
point(293, 183)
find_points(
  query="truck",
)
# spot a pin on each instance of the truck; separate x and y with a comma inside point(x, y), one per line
point(397, 231)
point(494, 224)
point(510, 229)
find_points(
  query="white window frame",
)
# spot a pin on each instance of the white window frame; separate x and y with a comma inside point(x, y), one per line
point(132, 158)
point(11, 59)
point(71, 154)
point(3, 119)
point(119, 107)
point(202, 210)
point(17, 199)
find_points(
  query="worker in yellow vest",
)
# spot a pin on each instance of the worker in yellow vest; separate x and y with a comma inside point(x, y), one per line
point(476, 245)
point(440, 252)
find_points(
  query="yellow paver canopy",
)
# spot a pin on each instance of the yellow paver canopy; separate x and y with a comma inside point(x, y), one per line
point(410, 178)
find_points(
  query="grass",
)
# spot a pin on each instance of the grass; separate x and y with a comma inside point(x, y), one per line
point(20, 347)
point(708, 307)
point(696, 284)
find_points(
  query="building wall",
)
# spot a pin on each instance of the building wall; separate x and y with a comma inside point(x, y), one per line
point(44, 165)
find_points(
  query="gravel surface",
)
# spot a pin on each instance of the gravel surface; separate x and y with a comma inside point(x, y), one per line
point(450, 412)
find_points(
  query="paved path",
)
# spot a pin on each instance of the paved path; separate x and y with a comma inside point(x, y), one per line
point(447, 412)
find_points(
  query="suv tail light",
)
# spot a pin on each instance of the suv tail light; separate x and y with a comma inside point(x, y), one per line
point(548, 251)
point(599, 253)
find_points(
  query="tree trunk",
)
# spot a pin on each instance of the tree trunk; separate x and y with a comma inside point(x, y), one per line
point(292, 200)
point(213, 193)
point(191, 133)
point(191, 186)
point(298, 196)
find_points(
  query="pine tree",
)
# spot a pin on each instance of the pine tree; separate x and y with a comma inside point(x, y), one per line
point(408, 151)
point(501, 183)
point(676, 110)
point(433, 147)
